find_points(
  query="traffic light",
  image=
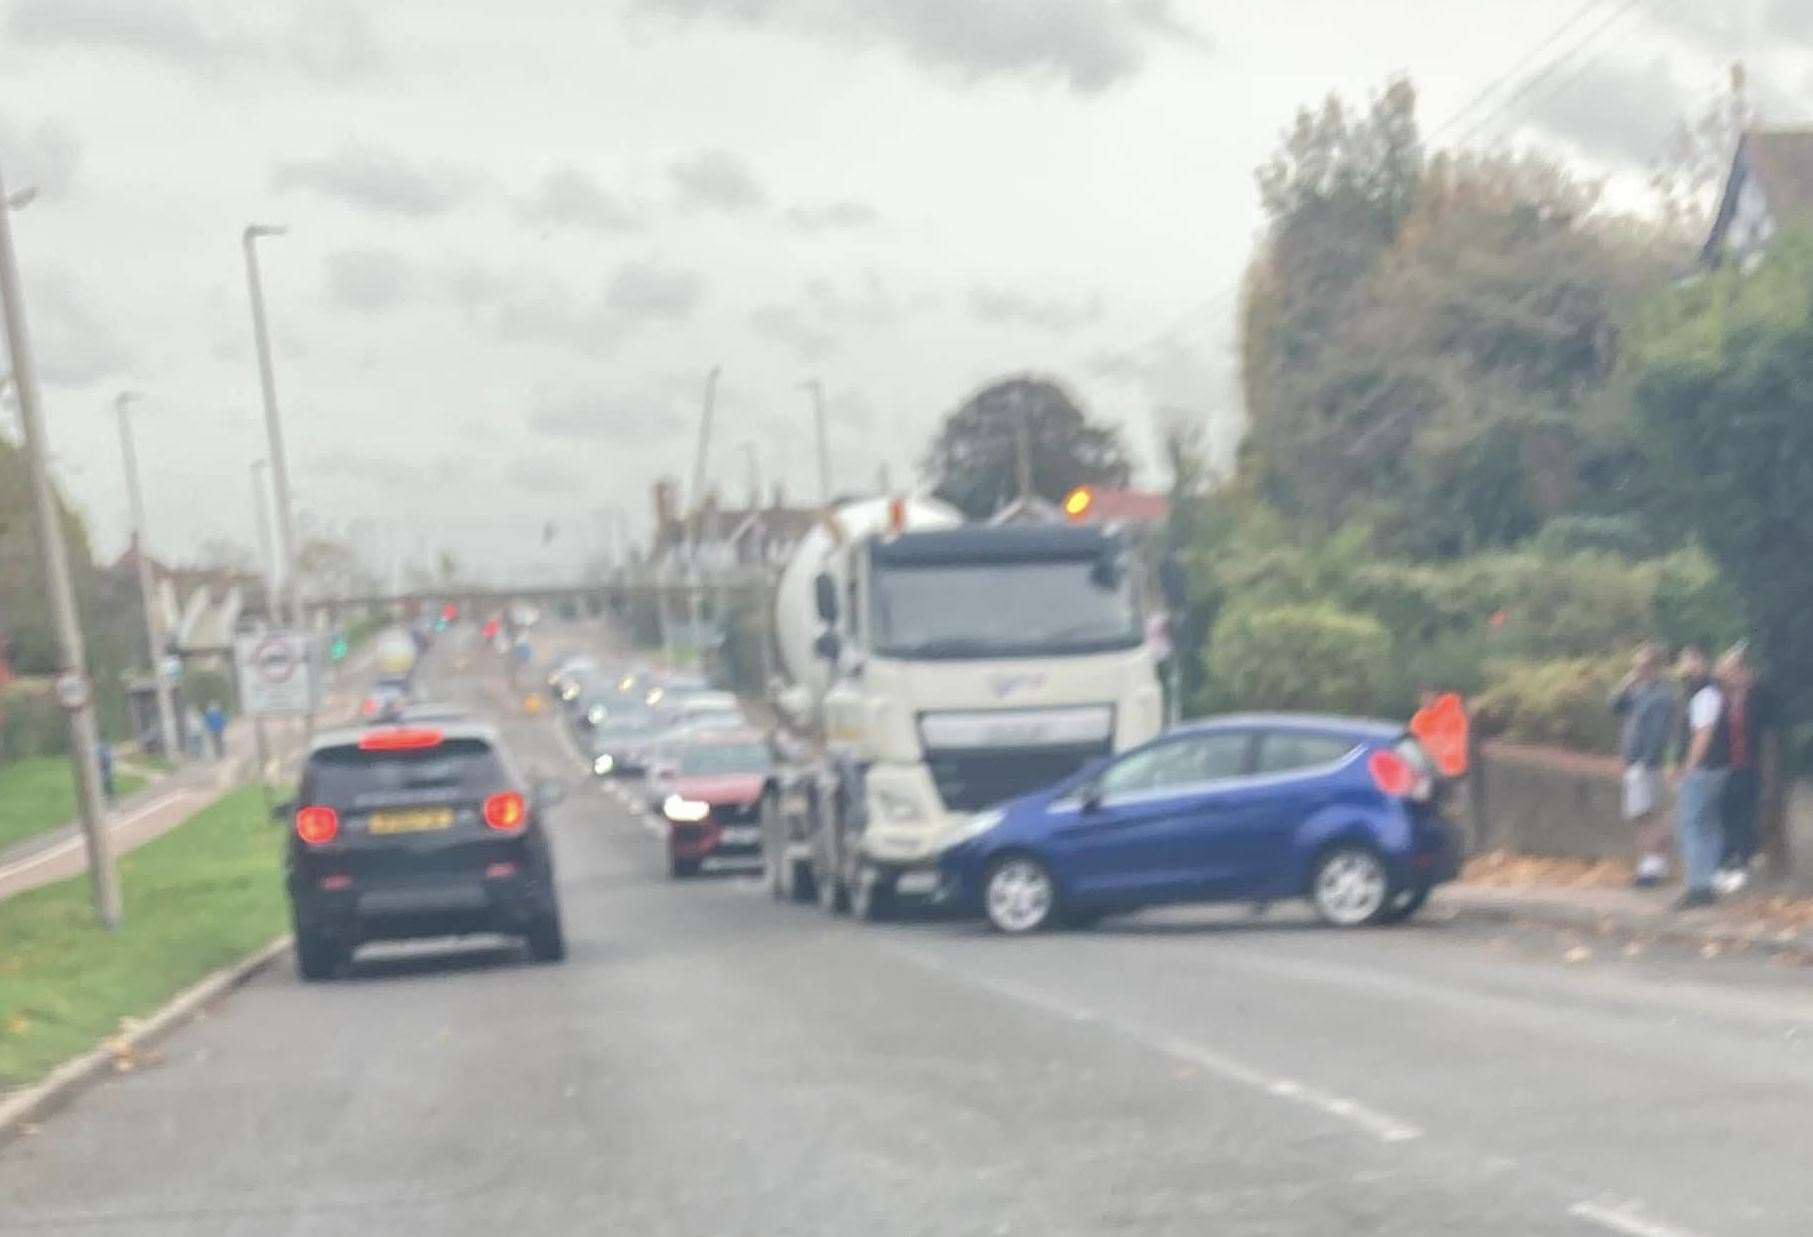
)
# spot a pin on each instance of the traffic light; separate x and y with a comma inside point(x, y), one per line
point(450, 613)
point(491, 628)
point(338, 649)
point(1077, 504)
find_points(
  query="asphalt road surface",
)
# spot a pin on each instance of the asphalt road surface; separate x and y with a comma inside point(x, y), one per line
point(708, 1061)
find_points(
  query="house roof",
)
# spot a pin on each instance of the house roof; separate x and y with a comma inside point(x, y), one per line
point(1781, 161)
point(1128, 507)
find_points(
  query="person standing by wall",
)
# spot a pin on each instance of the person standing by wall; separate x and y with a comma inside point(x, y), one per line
point(1646, 703)
point(1753, 727)
point(1699, 786)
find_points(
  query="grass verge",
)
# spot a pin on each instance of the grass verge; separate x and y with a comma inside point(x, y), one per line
point(38, 793)
point(202, 896)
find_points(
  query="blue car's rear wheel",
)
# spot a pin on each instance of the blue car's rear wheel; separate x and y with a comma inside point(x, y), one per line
point(1019, 895)
point(1350, 887)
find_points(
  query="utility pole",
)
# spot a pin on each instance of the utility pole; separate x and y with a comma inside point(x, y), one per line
point(817, 389)
point(74, 688)
point(695, 600)
point(261, 520)
point(755, 475)
point(154, 628)
point(273, 426)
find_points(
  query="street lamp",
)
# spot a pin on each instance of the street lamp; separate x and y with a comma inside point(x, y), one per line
point(817, 389)
point(74, 690)
point(261, 519)
point(154, 636)
point(273, 427)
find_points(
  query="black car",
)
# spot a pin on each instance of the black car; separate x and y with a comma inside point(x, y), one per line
point(412, 831)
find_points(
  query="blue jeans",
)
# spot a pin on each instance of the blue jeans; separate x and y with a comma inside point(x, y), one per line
point(1698, 827)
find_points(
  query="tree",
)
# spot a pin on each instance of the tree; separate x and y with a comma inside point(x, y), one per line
point(1723, 376)
point(974, 460)
point(1427, 344)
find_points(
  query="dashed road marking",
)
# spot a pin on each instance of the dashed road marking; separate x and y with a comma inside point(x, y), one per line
point(1380, 1125)
point(1623, 1217)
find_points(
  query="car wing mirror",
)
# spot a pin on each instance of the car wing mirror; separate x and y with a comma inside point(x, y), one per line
point(1089, 796)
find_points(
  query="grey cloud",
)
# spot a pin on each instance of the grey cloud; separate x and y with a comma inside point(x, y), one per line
point(869, 304)
point(370, 280)
point(72, 344)
point(1619, 112)
point(589, 416)
point(654, 290)
point(1190, 386)
point(43, 156)
point(845, 214)
point(372, 178)
point(333, 42)
point(164, 29)
point(1789, 19)
point(787, 325)
point(534, 306)
point(716, 180)
point(1089, 45)
point(365, 468)
point(568, 198)
point(1057, 317)
point(542, 474)
point(325, 40)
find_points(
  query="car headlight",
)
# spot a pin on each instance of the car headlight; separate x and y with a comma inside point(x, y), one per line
point(895, 806)
point(595, 715)
point(569, 692)
point(978, 825)
point(603, 764)
point(685, 811)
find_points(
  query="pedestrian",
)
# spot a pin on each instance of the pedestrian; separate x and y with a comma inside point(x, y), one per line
point(1700, 782)
point(1645, 704)
point(1753, 726)
point(103, 756)
point(215, 719)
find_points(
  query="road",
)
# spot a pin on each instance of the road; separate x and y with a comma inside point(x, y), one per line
point(708, 1061)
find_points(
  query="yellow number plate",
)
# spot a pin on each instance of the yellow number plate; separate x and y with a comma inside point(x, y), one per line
point(420, 821)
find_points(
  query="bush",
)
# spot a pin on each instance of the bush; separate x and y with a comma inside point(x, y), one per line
point(1562, 702)
point(31, 722)
point(1297, 657)
point(1625, 536)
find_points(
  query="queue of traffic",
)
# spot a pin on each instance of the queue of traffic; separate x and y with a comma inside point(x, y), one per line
point(972, 715)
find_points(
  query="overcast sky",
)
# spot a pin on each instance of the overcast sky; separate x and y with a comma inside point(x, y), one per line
point(522, 233)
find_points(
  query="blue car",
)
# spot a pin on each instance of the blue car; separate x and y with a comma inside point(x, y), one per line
point(1340, 811)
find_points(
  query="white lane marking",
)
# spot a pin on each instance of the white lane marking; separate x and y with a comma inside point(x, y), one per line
point(1383, 1126)
point(1624, 1218)
point(76, 843)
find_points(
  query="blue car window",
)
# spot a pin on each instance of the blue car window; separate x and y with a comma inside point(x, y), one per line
point(1181, 762)
point(1285, 751)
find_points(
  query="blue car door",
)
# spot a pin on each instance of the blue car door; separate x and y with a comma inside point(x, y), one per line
point(1295, 774)
point(1137, 836)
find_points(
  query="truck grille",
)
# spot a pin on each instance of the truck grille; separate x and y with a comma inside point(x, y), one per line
point(971, 779)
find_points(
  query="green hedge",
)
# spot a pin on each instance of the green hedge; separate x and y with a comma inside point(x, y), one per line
point(1562, 702)
point(1297, 657)
point(31, 723)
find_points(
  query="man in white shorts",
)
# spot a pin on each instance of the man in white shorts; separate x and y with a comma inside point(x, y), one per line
point(1645, 704)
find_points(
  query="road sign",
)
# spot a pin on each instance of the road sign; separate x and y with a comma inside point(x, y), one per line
point(277, 674)
point(72, 689)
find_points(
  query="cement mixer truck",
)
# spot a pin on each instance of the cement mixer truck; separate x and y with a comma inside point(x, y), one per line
point(930, 669)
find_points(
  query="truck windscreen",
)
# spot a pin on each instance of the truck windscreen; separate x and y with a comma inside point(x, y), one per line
point(995, 609)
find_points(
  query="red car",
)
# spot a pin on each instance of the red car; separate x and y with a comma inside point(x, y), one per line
point(713, 798)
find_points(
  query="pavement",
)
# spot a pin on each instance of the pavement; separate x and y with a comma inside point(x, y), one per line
point(59, 853)
point(710, 1061)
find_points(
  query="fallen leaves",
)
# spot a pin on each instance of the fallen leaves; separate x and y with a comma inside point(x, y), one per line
point(1507, 869)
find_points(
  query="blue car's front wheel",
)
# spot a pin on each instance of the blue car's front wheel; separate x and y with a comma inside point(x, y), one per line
point(1019, 895)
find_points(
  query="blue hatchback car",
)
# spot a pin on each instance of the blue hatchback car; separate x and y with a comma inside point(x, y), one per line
point(1340, 811)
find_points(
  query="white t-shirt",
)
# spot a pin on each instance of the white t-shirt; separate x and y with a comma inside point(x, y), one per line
point(1703, 709)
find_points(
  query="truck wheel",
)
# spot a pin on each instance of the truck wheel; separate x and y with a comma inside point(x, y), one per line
point(872, 900)
point(833, 895)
